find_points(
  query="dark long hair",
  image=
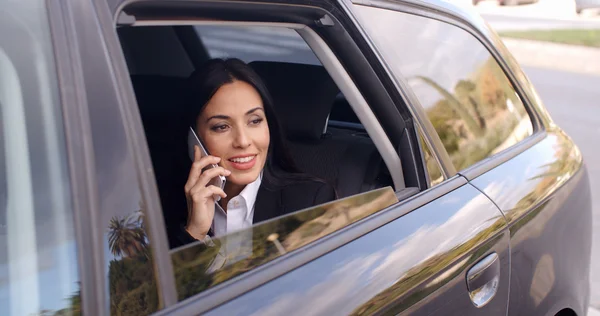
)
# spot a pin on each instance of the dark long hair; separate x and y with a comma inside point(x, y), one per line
point(279, 165)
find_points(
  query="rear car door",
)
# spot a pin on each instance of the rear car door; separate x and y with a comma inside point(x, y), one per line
point(442, 251)
point(408, 259)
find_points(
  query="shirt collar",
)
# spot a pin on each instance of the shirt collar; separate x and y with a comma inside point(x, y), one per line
point(250, 192)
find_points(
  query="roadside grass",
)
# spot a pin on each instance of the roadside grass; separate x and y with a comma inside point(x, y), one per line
point(565, 36)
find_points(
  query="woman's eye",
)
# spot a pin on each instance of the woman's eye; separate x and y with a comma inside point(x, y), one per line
point(219, 128)
point(256, 121)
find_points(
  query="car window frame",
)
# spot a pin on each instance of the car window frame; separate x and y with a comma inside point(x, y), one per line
point(447, 13)
point(63, 18)
point(79, 153)
point(266, 271)
point(227, 289)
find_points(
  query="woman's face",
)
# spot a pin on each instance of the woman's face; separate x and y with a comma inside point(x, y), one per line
point(233, 126)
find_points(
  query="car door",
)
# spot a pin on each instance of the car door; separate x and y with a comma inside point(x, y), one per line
point(442, 251)
point(488, 123)
point(411, 259)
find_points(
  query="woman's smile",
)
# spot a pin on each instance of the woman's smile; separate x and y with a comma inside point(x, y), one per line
point(243, 162)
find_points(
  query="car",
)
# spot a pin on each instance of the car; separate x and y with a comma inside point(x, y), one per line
point(509, 2)
point(457, 192)
point(581, 5)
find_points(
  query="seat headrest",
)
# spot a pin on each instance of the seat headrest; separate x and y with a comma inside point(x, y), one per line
point(303, 96)
point(161, 99)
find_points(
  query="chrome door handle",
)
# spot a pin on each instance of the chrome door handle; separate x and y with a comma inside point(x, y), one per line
point(483, 280)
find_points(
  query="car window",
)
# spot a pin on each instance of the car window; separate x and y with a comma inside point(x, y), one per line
point(334, 153)
point(38, 257)
point(465, 93)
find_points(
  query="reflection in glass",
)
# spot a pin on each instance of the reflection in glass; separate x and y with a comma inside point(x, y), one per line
point(542, 177)
point(198, 267)
point(132, 287)
point(465, 93)
point(38, 253)
point(434, 172)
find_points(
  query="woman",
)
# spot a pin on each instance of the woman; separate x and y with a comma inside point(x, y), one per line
point(232, 113)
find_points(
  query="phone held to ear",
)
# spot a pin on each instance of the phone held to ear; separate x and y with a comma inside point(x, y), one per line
point(193, 140)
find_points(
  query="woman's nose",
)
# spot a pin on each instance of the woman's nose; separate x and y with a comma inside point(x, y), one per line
point(241, 139)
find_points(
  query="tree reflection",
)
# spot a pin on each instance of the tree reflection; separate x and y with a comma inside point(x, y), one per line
point(126, 236)
point(132, 286)
point(480, 116)
point(195, 265)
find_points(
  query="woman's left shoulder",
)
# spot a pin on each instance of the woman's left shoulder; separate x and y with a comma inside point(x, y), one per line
point(317, 192)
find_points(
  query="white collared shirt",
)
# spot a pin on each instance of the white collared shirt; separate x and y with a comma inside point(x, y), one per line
point(240, 210)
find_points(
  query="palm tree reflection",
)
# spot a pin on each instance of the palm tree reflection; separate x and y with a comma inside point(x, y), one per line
point(126, 237)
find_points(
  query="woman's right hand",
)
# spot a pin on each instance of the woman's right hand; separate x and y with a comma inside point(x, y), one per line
point(200, 197)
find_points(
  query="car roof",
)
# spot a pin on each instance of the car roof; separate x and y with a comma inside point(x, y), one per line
point(458, 9)
point(462, 9)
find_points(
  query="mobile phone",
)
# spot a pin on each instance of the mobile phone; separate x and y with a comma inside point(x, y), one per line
point(193, 140)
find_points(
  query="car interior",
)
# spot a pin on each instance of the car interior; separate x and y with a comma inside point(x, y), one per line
point(325, 137)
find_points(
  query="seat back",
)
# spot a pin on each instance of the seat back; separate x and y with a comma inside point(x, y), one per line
point(304, 96)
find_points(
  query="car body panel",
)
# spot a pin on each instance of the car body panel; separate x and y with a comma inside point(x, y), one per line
point(415, 264)
point(544, 194)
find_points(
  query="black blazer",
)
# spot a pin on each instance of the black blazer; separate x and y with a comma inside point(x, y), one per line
point(273, 201)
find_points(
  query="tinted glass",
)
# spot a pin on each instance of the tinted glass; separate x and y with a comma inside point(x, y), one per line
point(129, 267)
point(198, 267)
point(38, 258)
point(256, 44)
point(468, 99)
point(121, 217)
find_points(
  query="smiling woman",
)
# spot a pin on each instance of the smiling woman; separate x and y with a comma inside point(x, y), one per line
point(231, 110)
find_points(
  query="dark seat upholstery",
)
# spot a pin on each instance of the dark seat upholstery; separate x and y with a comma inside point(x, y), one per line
point(304, 96)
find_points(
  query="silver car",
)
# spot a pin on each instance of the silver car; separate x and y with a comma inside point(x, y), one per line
point(458, 194)
point(586, 4)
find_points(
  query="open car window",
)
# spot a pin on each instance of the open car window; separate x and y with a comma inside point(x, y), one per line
point(325, 136)
point(198, 266)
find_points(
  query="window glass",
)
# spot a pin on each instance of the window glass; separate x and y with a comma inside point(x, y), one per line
point(468, 99)
point(121, 217)
point(38, 257)
point(198, 267)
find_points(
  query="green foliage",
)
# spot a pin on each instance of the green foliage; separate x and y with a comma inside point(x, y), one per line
point(143, 300)
point(589, 37)
point(474, 119)
point(132, 287)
